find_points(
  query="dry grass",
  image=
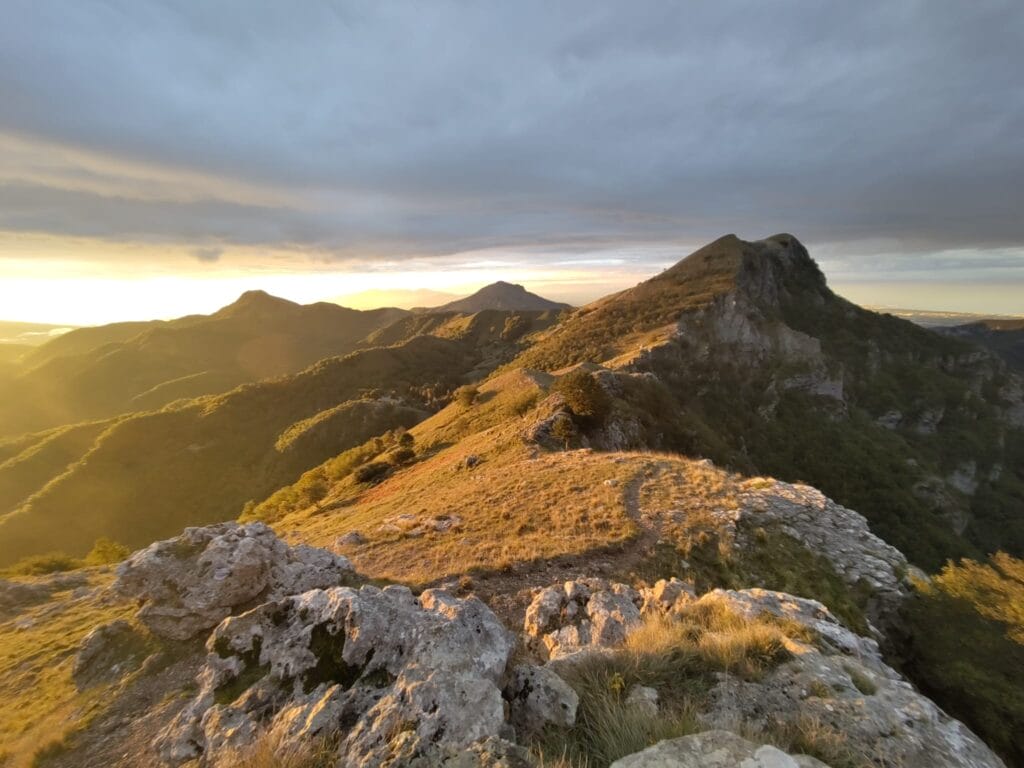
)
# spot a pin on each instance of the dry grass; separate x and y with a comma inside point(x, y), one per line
point(674, 655)
point(41, 703)
point(270, 750)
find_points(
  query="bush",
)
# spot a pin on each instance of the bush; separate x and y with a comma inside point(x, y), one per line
point(40, 565)
point(401, 455)
point(967, 648)
point(466, 396)
point(107, 552)
point(585, 397)
point(368, 473)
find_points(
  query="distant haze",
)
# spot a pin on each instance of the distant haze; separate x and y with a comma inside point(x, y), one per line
point(159, 157)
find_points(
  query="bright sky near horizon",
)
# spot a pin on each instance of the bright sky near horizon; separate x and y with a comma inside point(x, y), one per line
point(159, 157)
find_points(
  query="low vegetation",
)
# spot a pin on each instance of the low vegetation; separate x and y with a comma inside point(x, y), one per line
point(677, 657)
point(967, 647)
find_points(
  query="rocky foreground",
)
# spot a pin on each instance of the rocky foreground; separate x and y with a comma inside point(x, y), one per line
point(296, 649)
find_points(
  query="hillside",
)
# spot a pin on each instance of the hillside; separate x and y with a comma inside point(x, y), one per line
point(196, 461)
point(500, 296)
point(756, 364)
point(1004, 337)
point(92, 373)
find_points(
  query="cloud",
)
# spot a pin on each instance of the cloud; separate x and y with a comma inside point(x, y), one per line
point(398, 130)
point(208, 255)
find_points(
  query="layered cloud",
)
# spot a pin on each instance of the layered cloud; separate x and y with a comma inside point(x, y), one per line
point(389, 131)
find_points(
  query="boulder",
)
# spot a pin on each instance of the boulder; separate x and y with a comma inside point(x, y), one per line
point(581, 613)
point(538, 697)
point(643, 698)
point(397, 679)
point(107, 653)
point(594, 613)
point(191, 582)
point(714, 749)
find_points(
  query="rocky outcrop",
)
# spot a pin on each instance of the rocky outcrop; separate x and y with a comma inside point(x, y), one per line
point(399, 679)
point(584, 612)
point(191, 582)
point(840, 683)
point(840, 535)
point(16, 596)
point(595, 613)
point(829, 677)
point(714, 749)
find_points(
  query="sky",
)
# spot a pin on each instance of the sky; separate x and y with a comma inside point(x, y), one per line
point(159, 158)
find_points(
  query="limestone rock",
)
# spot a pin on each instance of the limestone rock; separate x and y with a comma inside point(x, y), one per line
point(398, 679)
point(841, 682)
point(643, 698)
point(838, 534)
point(714, 749)
point(584, 612)
point(193, 581)
point(15, 596)
point(108, 652)
point(539, 697)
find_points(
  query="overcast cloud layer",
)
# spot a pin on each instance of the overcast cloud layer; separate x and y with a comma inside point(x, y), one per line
point(393, 129)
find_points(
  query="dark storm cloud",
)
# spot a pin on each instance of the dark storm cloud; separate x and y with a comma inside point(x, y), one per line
point(399, 127)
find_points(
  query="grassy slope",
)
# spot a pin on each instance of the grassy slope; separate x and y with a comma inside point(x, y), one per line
point(151, 474)
point(36, 656)
point(99, 372)
point(30, 469)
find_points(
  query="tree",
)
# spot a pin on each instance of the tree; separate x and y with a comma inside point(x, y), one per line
point(563, 429)
point(585, 397)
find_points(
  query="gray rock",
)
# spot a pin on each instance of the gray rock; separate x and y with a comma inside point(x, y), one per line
point(644, 699)
point(351, 539)
point(395, 677)
point(585, 612)
point(841, 683)
point(539, 697)
point(193, 581)
point(714, 749)
point(107, 653)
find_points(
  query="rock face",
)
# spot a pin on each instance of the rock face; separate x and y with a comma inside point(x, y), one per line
point(193, 581)
point(714, 749)
point(841, 683)
point(403, 679)
point(585, 612)
point(826, 528)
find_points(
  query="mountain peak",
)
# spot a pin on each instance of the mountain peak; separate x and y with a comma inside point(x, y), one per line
point(503, 296)
point(256, 303)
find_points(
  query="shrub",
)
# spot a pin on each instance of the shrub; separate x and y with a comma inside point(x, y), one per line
point(368, 473)
point(584, 396)
point(466, 396)
point(39, 565)
point(106, 552)
point(401, 455)
point(563, 429)
point(966, 647)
